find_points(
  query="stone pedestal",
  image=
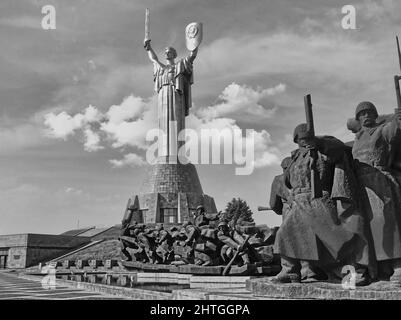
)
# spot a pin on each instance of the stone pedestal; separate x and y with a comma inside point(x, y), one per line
point(170, 193)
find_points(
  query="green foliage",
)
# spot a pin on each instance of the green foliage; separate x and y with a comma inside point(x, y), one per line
point(237, 211)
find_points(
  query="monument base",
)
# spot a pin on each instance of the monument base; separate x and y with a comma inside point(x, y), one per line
point(170, 193)
point(381, 290)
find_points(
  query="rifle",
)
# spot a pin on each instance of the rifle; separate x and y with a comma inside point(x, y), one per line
point(392, 151)
point(260, 208)
point(315, 179)
point(397, 80)
point(228, 266)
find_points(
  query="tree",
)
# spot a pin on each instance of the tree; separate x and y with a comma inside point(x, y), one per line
point(237, 211)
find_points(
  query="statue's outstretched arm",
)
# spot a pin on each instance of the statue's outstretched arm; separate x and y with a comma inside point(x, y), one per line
point(192, 55)
point(151, 53)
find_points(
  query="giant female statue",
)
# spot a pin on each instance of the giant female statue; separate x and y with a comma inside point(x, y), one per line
point(173, 82)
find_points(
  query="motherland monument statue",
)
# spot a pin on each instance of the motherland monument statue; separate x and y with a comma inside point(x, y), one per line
point(171, 191)
point(172, 83)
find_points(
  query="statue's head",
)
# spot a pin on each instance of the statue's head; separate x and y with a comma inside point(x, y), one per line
point(303, 137)
point(170, 53)
point(366, 114)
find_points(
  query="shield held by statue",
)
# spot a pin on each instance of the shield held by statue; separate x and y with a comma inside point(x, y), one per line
point(193, 35)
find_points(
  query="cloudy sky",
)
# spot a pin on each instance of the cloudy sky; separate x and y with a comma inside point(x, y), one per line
point(76, 102)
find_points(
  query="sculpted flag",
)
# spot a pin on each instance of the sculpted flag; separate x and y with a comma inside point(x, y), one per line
point(193, 35)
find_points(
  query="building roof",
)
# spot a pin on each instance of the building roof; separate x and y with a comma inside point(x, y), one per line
point(93, 232)
point(76, 232)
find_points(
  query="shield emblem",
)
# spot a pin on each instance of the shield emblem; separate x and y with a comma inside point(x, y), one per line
point(193, 35)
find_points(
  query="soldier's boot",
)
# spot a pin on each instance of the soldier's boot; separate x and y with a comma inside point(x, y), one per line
point(385, 270)
point(397, 271)
point(362, 276)
point(311, 272)
point(290, 271)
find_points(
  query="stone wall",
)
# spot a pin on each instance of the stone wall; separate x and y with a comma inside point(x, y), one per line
point(36, 255)
point(55, 241)
point(17, 257)
point(171, 178)
point(25, 250)
point(13, 240)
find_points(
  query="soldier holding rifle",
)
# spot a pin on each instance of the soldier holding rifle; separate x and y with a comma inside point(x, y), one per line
point(312, 230)
point(375, 151)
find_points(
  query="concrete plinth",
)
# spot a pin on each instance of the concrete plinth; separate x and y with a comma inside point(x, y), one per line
point(170, 193)
point(382, 290)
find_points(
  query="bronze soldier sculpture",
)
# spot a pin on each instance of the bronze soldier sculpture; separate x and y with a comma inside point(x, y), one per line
point(373, 150)
point(312, 230)
point(233, 242)
point(202, 219)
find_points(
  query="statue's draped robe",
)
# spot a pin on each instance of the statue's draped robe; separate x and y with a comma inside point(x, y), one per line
point(173, 85)
point(314, 229)
point(381, 196)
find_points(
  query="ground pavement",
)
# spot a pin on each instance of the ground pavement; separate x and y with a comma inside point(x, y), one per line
point(14, 288)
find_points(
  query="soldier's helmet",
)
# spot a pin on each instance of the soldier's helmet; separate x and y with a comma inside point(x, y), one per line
point(301, 131)
point(159, 227)
point(222, 224)
point(201, 208)
point(365, 105)
point(137, 231)
point(286, 162)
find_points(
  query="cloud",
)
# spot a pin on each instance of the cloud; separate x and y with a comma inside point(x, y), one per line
point(243, 102)
point(92, 141)
point(265, 153)
point(126, 125)
point(63, 125)
point(130, 159)
point(130, 108)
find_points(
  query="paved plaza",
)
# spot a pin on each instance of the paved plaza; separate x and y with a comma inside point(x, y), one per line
point(14, 288)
